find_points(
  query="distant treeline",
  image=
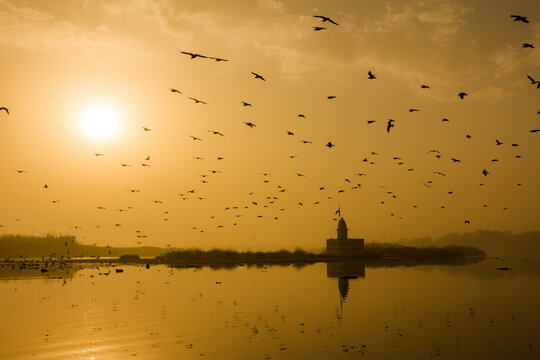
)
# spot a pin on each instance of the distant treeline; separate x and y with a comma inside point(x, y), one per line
point(373, 251)
point(12, 246)
point(492, 242)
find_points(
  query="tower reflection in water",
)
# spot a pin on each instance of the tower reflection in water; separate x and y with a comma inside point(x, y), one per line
point(344, 271)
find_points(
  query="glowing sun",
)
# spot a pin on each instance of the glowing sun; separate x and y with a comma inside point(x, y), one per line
point(99, 122)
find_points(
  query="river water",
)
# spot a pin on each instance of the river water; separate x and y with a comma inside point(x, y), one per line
point(320, 311)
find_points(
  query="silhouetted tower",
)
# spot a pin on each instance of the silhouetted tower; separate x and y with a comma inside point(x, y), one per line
point(342, 229)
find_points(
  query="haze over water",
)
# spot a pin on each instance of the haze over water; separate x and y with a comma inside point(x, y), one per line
point(447, 312)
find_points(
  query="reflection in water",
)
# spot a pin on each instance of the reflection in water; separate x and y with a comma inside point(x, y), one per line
point(271, 312)
point(344, 271)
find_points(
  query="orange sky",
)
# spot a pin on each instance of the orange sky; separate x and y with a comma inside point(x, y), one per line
point(62, 57)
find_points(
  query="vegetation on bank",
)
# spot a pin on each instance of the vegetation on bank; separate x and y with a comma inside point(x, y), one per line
point(372, 251)
point(62, 246)
point(228, 255)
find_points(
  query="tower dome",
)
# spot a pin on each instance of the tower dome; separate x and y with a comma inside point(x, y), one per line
point(342, 229)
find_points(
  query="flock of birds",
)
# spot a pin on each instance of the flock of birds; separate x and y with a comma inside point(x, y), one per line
point(272, 199)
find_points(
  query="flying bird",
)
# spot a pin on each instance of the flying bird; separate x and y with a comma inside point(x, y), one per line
point(331, 97)
point(290, 133)
point(520, 18)
point(197, 101)
point(98, 154)
point(175, 91)
point(371, 75)
point(251, 125)
point(193, 55)
point(246, 103)
point(215, 132)
point(330, 145)
point(257, 76)
point(462, 95)
point(5, 109)
point(370, 121)
point(413, 110)
point(532, 80)
point(318, 28)
point(527, 45)
point(498, 142)
point(195, 138)
point(325, 18)
point(146, 129)
point(389, 125)
point(485, 172)
point(301, 116)
point(424, 87)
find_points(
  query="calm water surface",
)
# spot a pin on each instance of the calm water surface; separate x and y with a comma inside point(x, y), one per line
point(320, 311)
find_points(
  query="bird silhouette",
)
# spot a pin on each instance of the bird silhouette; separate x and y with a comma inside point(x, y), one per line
point(485, 172)
point(371, 75)
point(424, 87)
point(462, 95)
point(217, 59)
point(498, 142)
point(215, 132)
point(413, 110)
point(5, 109)
point(251, 125)
point(306, 142)
point(257, 76)
point(301, 116)
point(45, 186)
point(532, 80)
point(146, 129)
point(193, 55)
point(290, 133)
point(318, 28)
point(527, 45)
point(330, 145)
point(197, 101)
point(331, 97)
point(520, 18)
point(175, 91)
point(389, 125)
point(98, 154)
point(325, 18)
point(246, 103)
point(195, 138)
point(370, 121)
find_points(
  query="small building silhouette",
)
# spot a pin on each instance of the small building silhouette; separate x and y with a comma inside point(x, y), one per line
point(343, 246)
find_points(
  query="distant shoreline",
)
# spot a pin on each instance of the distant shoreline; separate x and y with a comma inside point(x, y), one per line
point(374, 255)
